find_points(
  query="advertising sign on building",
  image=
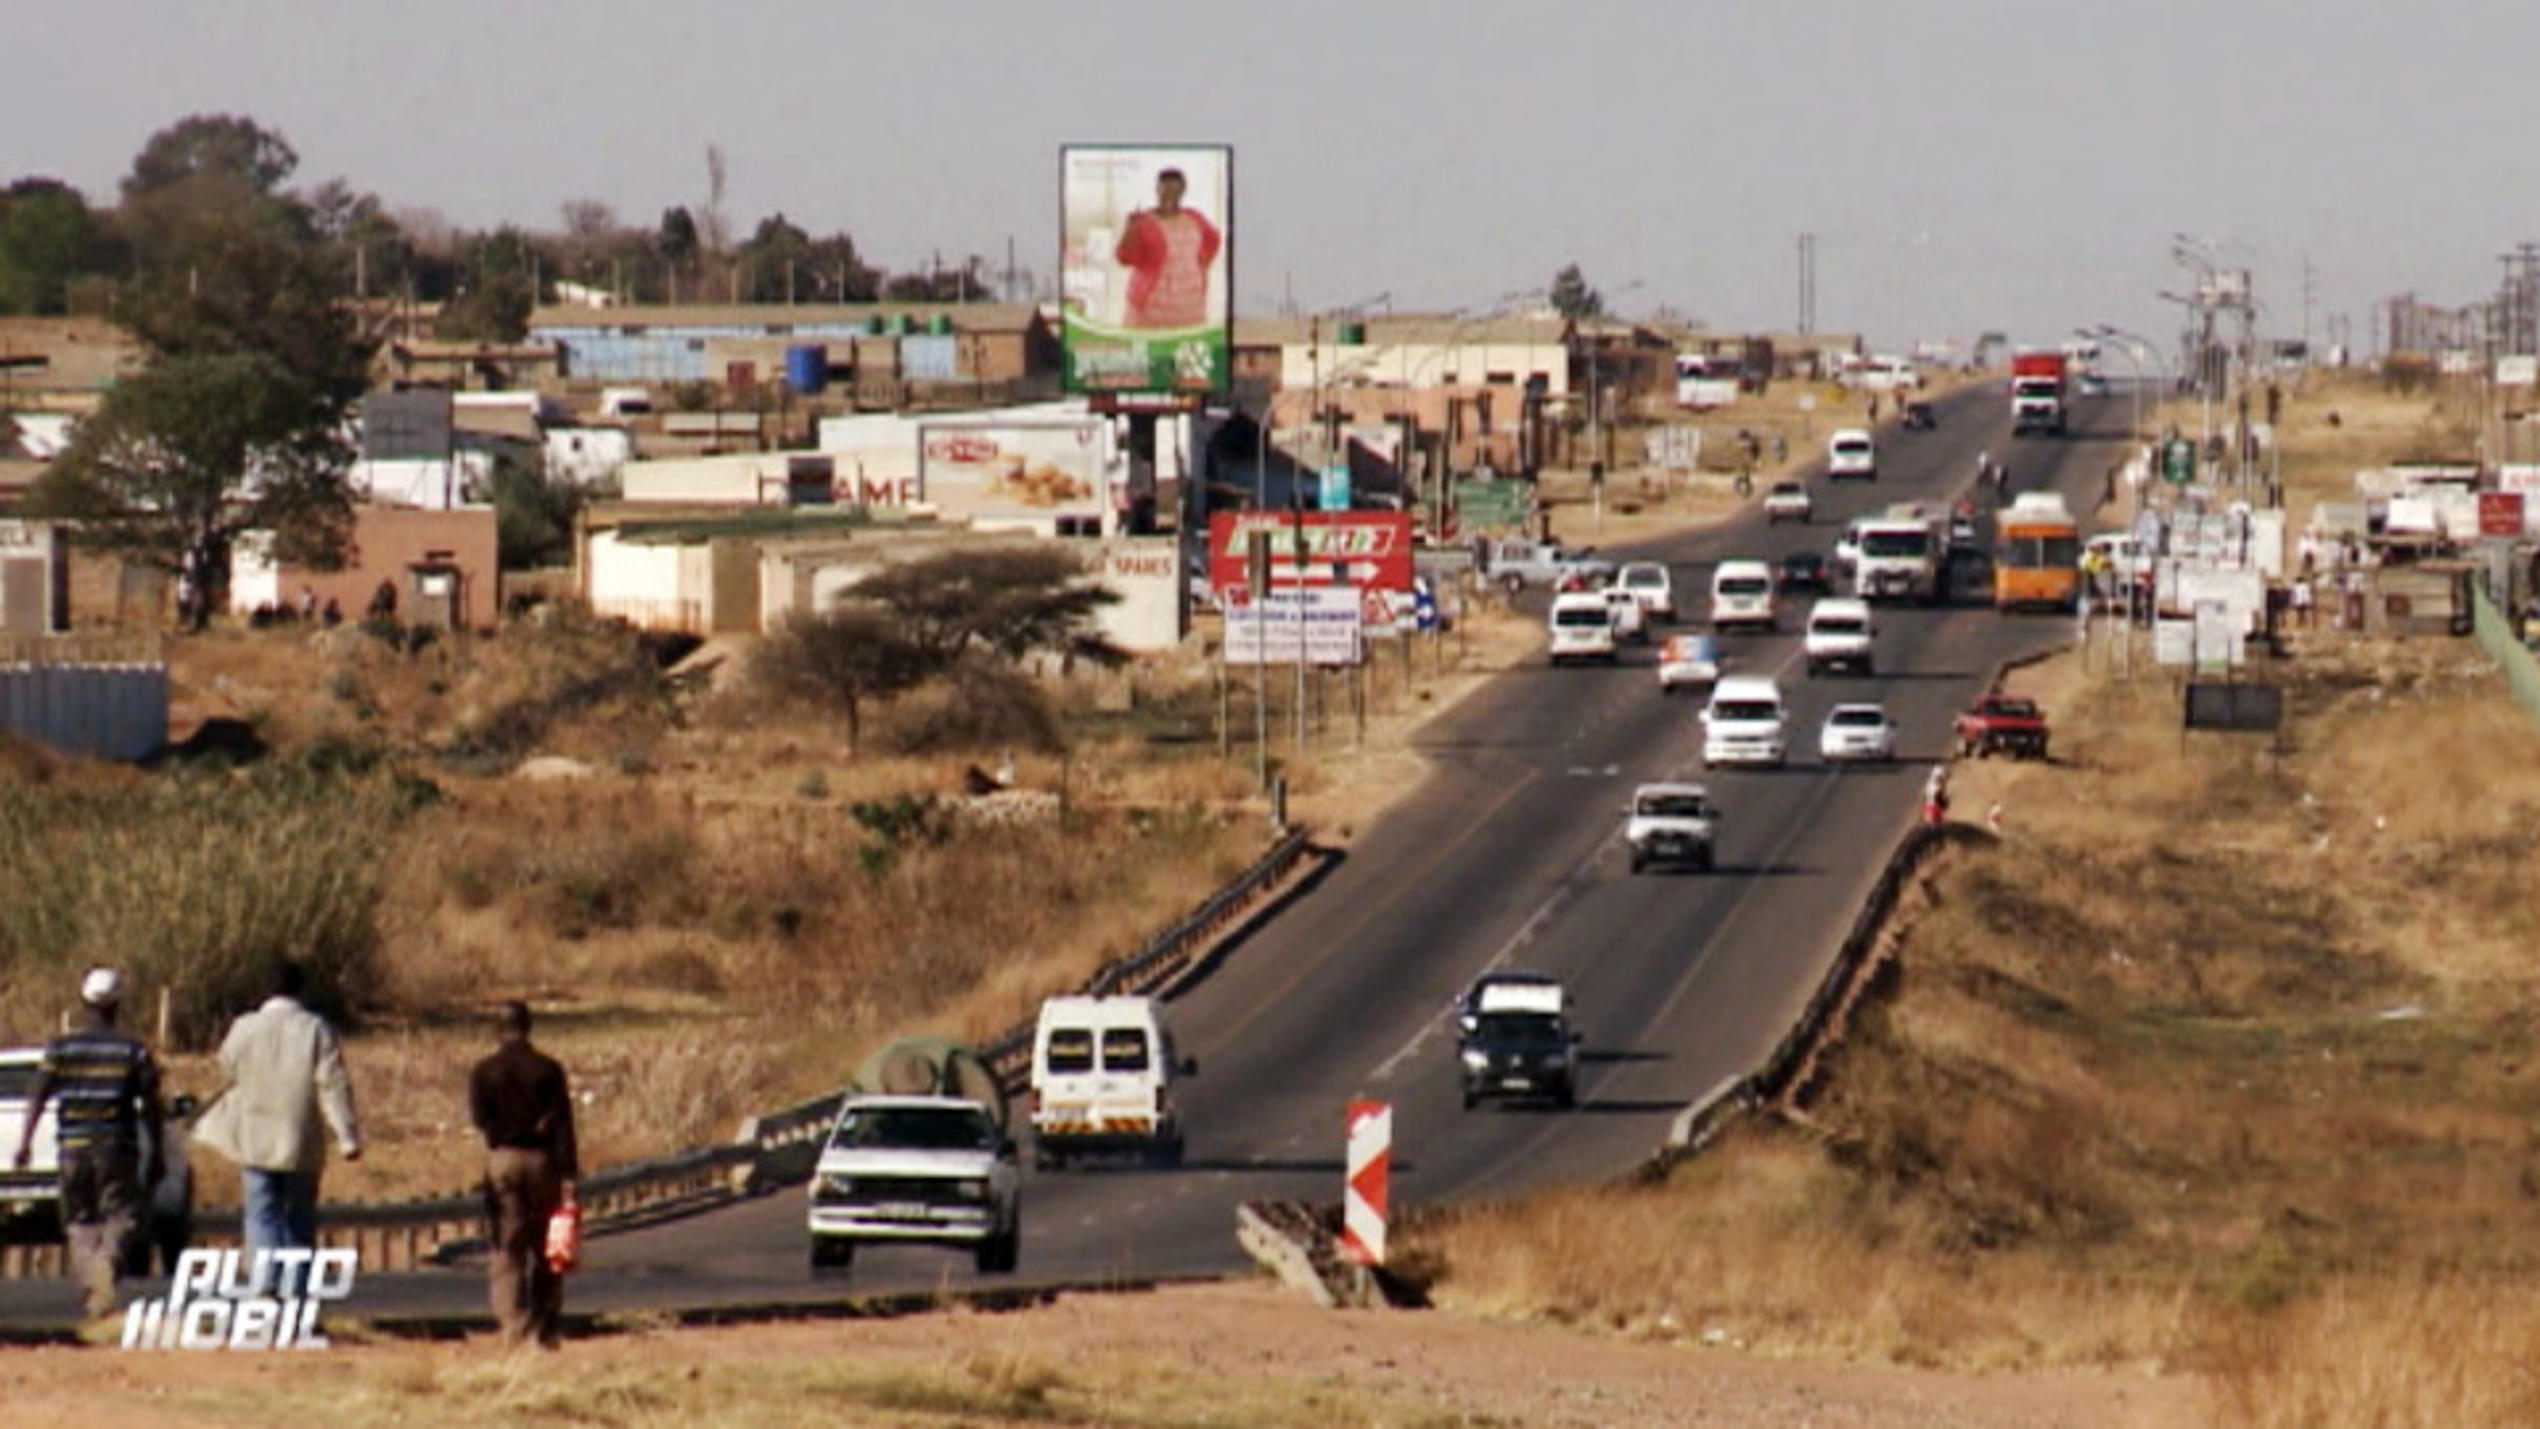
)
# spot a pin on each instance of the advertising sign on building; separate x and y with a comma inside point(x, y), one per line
point(1321, 624)
point(1001, 473)
point(1147, 576)
point(1314, 548)
point(1146, 268)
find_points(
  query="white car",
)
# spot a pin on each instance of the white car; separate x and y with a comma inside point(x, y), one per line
point(1624, 608)
point(1851, 453)
point(1842, 634)
point(1673, 824)
point(1687, 662)
point(1856, 733)
point(1582, 627)
point(1787, 501)
point(1652, 585)
point(1743, 724)
point(1742, 595)
point(925, 1170)
point(1847, 548)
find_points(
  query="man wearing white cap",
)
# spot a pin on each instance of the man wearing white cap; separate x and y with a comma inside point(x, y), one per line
point(108, 1088)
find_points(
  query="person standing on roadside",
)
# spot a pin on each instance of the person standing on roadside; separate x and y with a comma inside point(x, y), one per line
point(107, 1086)
point(287, 1088)
point(519, 1101)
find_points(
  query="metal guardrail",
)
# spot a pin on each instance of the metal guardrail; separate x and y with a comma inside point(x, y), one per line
point(773, 1150)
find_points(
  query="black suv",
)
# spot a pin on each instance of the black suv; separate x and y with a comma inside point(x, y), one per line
point(1515, 1039)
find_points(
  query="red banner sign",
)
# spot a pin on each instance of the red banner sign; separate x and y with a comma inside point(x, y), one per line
point(2500, 513)
point(1366, 549)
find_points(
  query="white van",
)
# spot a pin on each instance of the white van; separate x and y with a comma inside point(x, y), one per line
point(1851, 453)
point(1582, 627)
point(1744, 722)
point(1103, 1070)
point(1742, 595)
point(1842, 633)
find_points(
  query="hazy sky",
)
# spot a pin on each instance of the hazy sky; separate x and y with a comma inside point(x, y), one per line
point(1965, 164)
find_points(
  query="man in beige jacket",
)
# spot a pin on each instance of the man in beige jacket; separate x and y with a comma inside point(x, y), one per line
point(286, 1073)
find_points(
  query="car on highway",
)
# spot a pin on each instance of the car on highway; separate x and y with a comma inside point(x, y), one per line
point(1804, 572)
point(1920, 417)
point(1516, 564)
point(1104, 1075)
point(1857, 733)
point(1787, 501)
point(1742, 596)
point(924, 1170)
point(1851, 456)
point(1744, 722)
point(1841, 635)
point(1687, 661)
point(2002, 724)
point(1515, 1039)
point(1623, 608)
point(1653, 585)
point(1672, 824)
point(1581, 626)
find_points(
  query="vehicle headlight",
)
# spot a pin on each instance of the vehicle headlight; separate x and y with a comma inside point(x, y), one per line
point(838, 1185)
point(1476, 1058)
point(971, 1190)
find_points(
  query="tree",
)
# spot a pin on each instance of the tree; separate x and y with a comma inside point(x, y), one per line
point(49, 237)
point(222, 146)
point(676, 241)
point(849, 656)
point(775, 261)
point(1571, 296)
point(1010, 602)
point(509, 269)
point(533, 514)
point(195, 450)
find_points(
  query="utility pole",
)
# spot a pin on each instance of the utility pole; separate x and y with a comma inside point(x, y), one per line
point(1807, 284)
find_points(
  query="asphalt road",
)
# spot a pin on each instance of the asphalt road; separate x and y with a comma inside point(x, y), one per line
point(1506, 856)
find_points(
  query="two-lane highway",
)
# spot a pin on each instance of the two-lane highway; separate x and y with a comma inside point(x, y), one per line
point(1505, 856)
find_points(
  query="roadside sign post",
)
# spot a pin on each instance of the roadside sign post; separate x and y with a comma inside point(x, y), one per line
point(1363, 1193)
point(1257, 588)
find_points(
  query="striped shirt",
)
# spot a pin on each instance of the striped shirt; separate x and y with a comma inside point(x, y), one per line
point(101, 1079)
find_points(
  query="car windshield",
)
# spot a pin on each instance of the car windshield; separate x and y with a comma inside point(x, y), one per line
point(1124, 1049)
point(1523, 1027)
point(1071, 1049)
point(1575, 616)
point(1802, 561)
point(1674, 806)
point(2014, 709)
point(17, 1079)
point(1745, 585)
point(1859, 719)
point(1852, 449)
point(1839, 625)
point(1746, 711)
point(1895, 543)
point(1789, 488)
point(928, 1128)
point(2047, 552)
point(1644, 576)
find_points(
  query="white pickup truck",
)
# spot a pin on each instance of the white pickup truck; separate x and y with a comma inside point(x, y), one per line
point(928, 1170)
point(1518, 564)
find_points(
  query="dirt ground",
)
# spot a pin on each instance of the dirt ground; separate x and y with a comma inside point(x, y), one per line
point(1237, 1354)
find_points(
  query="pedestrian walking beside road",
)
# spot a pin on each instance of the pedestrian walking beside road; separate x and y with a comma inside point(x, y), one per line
point(2302, 600)
point(520, 1102)
point(107, 1088)
point(287, 1089)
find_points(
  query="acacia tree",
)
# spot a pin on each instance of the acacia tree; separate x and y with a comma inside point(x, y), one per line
point(192, 452)
point(850, 657)
point(1009, 602)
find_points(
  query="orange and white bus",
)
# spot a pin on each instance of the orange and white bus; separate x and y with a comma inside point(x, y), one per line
point(2036, 554)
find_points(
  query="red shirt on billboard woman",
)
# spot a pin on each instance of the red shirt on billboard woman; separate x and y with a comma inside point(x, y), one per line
point(1167, 250)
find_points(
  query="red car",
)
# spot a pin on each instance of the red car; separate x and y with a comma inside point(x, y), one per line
point(2003, 724)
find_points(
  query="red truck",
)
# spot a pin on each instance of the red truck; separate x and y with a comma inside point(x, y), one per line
point(2002, 724)
point(2037, 392)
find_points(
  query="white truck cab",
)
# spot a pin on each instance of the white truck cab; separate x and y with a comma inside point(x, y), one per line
point(1744, 723)
point(1103, 1070)
point(1673, 824)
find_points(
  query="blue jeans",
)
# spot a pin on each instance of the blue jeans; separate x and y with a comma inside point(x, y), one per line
point(279, 1212)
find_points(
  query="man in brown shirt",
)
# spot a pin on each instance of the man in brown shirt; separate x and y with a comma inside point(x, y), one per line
point(519, 1101)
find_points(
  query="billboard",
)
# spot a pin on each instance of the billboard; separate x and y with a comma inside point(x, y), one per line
point(1012, 472)
point(1146, 267)
point(1349, 548)
point(1321, 626)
